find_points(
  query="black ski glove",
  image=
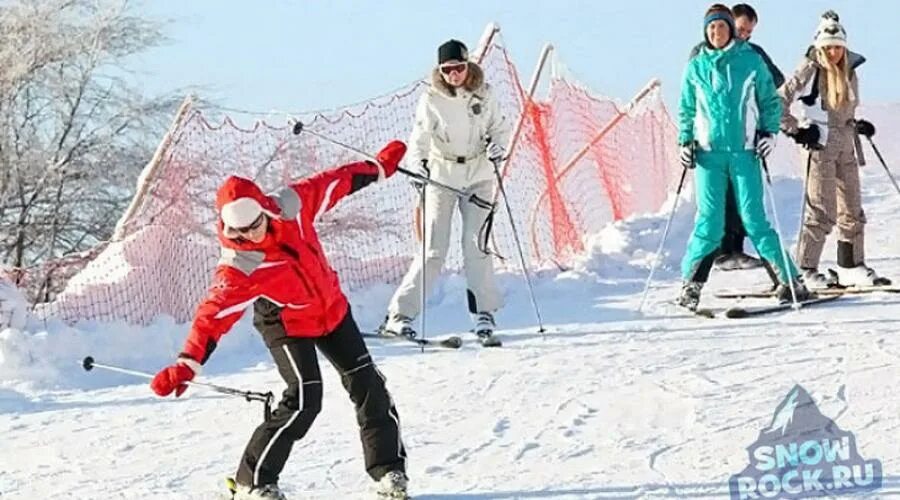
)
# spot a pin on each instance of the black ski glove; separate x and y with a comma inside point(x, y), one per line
point(865, 127)
point(807, 137)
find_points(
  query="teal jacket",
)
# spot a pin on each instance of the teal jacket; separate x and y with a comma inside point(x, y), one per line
point(727, 96)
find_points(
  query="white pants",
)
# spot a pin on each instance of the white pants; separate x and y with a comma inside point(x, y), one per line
point(483, 295)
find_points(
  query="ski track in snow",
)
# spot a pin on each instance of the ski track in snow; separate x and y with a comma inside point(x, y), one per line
point(609, 404)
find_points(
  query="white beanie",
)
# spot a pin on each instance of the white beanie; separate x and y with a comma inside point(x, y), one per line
point(830, 32)
point(241, 212)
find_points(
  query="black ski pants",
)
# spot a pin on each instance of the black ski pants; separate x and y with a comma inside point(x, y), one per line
point(733, 240)
point(297, 362)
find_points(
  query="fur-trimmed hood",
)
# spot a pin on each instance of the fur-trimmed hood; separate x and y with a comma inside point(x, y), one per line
point(474, 80)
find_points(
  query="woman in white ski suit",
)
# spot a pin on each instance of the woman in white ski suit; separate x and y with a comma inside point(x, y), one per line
point(828, 94)
point(458, 121)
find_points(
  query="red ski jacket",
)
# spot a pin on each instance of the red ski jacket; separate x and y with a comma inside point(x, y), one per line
point(288, 267)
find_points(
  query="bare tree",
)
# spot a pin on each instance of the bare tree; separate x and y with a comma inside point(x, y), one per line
point(74, 133)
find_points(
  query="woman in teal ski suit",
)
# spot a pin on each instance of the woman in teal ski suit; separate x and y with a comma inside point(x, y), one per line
point(729, 114)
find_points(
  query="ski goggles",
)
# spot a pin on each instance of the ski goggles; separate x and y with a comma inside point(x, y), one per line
point(252, 227)
point(450, 68)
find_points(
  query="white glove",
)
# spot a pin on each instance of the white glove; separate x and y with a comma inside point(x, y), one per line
point(686, 155)
point(765, 144)
point(420, 168)
point(495, 152)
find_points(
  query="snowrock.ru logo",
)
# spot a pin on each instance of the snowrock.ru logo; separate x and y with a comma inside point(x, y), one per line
point(803, 454)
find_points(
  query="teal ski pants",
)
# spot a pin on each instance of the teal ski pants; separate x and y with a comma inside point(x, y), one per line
point(711, 183)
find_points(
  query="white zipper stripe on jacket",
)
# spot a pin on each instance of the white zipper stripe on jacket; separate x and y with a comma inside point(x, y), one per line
point(728, 73)
point(749, 110)
point(701, 119)
point(327, 198)
point(262, 458)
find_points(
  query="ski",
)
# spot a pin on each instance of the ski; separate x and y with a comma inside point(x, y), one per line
point(836, 290)
point(859, 290)
point(703, 312)
point(231, 488)
point(489, 341)
point(452, 342)
point(746, 312)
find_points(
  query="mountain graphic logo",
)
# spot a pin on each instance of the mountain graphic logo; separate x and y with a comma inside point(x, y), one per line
point(803, 454)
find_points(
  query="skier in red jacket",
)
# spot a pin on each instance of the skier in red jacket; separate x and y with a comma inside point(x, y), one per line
point(273, 262)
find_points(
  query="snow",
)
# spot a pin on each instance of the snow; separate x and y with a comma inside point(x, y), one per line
point(13, 306)
point(608, 403)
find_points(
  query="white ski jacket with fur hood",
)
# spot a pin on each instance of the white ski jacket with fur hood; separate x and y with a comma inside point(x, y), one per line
point(452, 128)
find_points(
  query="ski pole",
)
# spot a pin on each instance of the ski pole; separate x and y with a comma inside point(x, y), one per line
point(883, 164)
point(784, 255)
point(480, 202)
point(512, 225)
point(806, 201)
point(266, 398)
point(662, 242)
point(423, 294)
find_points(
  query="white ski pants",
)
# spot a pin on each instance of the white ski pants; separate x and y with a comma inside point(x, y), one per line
point(483, 295)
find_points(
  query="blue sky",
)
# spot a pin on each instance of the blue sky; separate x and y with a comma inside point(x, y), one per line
point(300, 55)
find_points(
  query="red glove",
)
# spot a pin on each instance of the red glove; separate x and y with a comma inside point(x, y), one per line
point(390, 157)
point(172, 378)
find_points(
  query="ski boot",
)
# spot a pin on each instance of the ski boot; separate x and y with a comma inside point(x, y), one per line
point(861, 276)
point(397, 325)
point(814, 280)
point(783, 293)
point(393, 485)
point(852, 271)
point(484, 329)
point(264, 492)
point(690, 295)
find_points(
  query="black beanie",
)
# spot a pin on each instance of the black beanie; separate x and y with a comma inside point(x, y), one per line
point(452, 50)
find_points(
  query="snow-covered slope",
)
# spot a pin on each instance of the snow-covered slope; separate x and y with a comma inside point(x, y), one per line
point(609, 403)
